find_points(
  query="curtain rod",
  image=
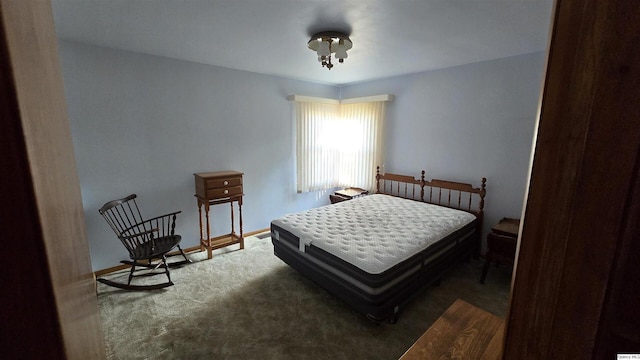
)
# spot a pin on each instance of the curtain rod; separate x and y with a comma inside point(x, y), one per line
point(302, 98)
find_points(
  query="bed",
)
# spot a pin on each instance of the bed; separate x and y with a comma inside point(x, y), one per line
point(375, 252)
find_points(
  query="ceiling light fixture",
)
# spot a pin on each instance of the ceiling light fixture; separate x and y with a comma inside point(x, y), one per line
point(330, 42)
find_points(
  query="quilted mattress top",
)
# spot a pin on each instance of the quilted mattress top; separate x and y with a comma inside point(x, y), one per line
point(375, 232)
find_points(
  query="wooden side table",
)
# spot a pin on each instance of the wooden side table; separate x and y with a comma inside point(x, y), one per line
point(501, 244)
point(347, 194)
point(213, 188)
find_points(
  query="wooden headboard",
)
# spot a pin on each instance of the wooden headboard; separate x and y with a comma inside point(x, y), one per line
point(447, 193)
point(440, 192)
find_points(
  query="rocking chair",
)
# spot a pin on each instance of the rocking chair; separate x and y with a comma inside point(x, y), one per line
point(145, 240)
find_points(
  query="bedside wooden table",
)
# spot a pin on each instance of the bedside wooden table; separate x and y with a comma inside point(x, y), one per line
point(501, 244)
point(213, 188)
point(347, 194)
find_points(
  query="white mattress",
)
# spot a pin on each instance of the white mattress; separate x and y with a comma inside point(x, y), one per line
point(374, 232)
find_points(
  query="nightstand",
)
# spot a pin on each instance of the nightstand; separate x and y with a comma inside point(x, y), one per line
point(347, 194)
point(501, 244)
point(213, 188)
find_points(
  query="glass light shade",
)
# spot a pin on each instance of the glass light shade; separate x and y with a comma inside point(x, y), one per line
point(314, 44)
point(324, 49)
point(341, 52)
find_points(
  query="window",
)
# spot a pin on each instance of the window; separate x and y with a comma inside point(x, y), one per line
point(338, 144)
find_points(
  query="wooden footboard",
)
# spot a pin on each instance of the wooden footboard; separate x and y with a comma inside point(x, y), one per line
point(447, 193)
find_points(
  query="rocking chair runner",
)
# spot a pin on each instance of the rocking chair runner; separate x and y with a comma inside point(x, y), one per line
point(146, 241)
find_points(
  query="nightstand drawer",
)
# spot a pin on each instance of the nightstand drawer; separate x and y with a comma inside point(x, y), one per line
point(224, 183)
point(224, 192)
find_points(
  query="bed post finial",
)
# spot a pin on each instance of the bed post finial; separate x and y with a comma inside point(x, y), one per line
point(378, 179)
point(422, 183)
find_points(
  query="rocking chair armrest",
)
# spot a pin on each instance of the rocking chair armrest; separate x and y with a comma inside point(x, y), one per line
point(141, 233)
point(141, 224)
point(161, 216)
point(154, 224)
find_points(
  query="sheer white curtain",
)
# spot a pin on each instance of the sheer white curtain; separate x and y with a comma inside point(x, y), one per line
point(338, 144)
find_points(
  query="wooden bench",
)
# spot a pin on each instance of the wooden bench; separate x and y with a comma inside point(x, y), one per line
point(462, 332)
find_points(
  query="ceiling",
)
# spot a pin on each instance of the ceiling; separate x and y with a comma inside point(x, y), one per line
point(390, 37)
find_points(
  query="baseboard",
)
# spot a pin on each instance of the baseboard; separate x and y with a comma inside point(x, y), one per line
point(192, 249)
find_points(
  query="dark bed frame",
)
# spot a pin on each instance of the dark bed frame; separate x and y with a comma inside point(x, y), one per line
point(386, 307)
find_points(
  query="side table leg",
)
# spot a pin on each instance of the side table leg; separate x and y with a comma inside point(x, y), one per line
point(200, 222)
point(233, 229)
point(208, 240)
point(241, 235)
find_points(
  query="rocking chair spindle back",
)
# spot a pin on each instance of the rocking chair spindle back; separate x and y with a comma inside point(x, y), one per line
point(145, 240)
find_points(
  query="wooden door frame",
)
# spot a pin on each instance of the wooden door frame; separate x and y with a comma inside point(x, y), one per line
point(48, 307)
point(582, 181)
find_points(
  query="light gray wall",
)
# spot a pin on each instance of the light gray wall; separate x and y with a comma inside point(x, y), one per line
point(144, 124)
point(465, 123)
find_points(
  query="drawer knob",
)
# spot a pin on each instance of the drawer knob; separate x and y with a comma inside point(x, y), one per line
point(226, 192)
point(226, 183)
